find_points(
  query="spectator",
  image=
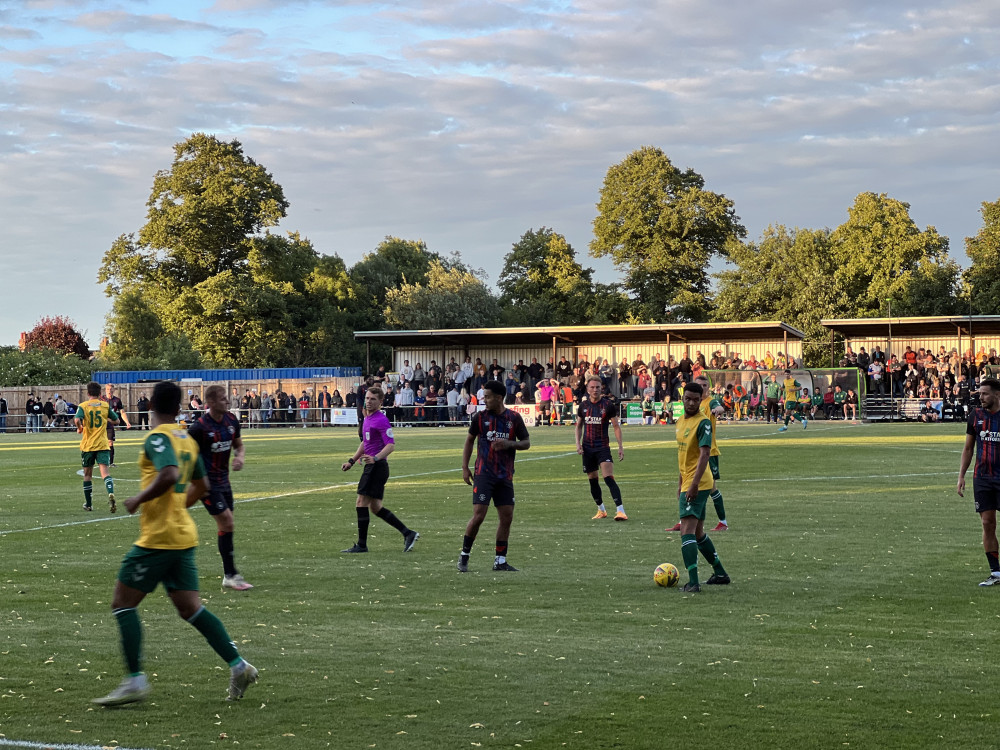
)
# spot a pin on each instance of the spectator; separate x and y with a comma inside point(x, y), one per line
point(336, 400)
point(435, 377)
point(463, 404)
point(407, 399)
point(521, 371)
point(49, 413)
point(468, 373)
point(452, 397)
point(142, 407)
point(3, 414)
point(255, 406)
point(478, 375)
point(772, 397)
point(839, 397)
point(625, 379)
point(266, 408)
point(496, 371)
point(419, 376)
point(535, 373)
point(431, 404)
point(304, 409)
point(828, 404)
point(512, 385)
point(851, 405)
point(325, 403)
point(864, 361)
point(606, 373)
point(648, 410)
point(563, 370)
point(545, 395)
point(461, 379)
point(62, 413)
point(419, 414)
point(637, 364)
point(405, 372)
point(875, 373)
point(928, 413)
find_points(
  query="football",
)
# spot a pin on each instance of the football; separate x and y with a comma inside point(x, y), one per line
point(666, 575)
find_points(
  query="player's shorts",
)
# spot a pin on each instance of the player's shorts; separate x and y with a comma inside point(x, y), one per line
point(89, 458)
point(373, 479)
point(486, 488)
point(713, 465)
point(986, 493)
point(593, 458)
point(792, 406)
point(218, 500)
point(144, 568)
point(111, 431)
point(696, 509)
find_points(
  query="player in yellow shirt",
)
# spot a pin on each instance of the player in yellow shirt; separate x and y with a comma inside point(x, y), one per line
point(791, 387)
point(694, 446)
point(92, 419)
point(173, 479)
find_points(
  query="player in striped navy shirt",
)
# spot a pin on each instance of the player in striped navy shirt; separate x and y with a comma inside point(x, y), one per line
point(596, 412)
point(982, 434)
point(500, 432)
point(217, 433)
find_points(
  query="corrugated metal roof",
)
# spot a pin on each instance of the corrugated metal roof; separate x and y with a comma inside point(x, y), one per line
point(938, 325)
point(272, 373)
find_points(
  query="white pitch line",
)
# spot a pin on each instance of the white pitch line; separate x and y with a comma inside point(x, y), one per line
point(58, 745)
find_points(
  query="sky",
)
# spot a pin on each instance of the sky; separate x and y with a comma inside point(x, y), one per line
point(465, 123)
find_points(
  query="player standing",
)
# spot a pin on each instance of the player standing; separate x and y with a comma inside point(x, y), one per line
point(501, 432)
point(694, 445)
point(217, 433)
point(92, 419)
point(791, 386)
point(173, 478)
point(118, 408)
point(982, 434)
point(594, 415)
point(376, 445)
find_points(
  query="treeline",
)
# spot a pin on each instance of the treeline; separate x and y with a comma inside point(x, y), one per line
point(205, 283)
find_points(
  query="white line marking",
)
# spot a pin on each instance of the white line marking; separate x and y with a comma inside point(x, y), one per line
point(57, 745)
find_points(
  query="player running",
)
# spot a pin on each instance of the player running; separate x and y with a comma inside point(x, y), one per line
point(594, 414)
point(982, 434)
point(217, 433)
point(694, 444)
point(791, 387)
point(376, 445)
point(173, 478)
point(501, 432)
point(711, 408)
point(92, 419)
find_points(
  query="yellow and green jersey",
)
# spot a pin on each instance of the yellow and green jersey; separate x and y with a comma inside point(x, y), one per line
point(95, 415)
point(791, 386)
point(693, 434)
point(164, 523)
point(706, 408)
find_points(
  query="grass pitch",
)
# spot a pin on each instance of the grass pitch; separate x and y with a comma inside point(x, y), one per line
point(853, 620)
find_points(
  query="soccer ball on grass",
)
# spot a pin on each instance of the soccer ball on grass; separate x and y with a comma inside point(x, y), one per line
point(666, 575)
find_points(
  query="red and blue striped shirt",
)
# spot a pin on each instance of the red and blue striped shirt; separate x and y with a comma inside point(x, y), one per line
point(985, 426)
point(490, 428)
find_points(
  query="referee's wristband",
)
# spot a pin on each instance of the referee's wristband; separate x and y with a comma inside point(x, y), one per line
point(352, 460)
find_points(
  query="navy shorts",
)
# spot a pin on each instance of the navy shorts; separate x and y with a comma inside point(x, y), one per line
point(486, 488)
point(986, 493)
point(592, 459)
point(373, 479)
point(218, 500)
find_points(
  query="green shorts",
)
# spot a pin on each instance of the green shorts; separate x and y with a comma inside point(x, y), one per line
point(144, 568)
point(696, 509)
point(713, 464)
point(792, 407)
point(89, 458)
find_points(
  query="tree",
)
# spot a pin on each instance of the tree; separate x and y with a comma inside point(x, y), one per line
point(882, 255)
point(58, 333)
point(542, 284)
point(41, 367)
point(661, 228)
point(451, 298)
point(983, 276)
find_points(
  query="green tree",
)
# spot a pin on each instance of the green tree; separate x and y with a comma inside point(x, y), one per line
point(881, 255)
point(451, 298)
point(58, 333)
point(393, 263)
point(983, 276)
point(662, 228)
point(41, 367)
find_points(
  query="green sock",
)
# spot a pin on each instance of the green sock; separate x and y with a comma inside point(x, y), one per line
point(88, 491)
point(109, 484)
point(130, 631)
point(708, 550)
point(689, 549)
point(787, 417)
point(720, 508)
point(215, 633)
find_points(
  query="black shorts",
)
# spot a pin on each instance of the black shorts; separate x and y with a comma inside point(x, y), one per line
point(593, 458)
point(986, 493)
point(373, 479)
point(218, 500)
point(486, 488)
point(111, 431)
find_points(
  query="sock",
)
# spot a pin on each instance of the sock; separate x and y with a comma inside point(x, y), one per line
point(215, 633)
point(467, 542)
point(994, 560)
point(130, 632)
point(501, 551)
point(720, 509)
point(787, 417)
point(595, 492)
point(88, 491)
point(109, 485)
point(226, 551)
point(708, 550)
point(390, 518)
point(616, 492)
point(363, 519)
point(689, 550)
point(112, 454)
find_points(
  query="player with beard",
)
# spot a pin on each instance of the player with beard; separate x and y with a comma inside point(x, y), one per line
point(982, 435)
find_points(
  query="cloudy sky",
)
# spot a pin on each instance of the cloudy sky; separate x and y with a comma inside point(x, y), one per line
point(467, 122)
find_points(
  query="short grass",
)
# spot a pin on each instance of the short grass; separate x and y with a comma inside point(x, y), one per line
point(853, 620)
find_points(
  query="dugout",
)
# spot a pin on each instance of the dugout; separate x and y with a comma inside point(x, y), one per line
point(612, 342)
point(813, 379)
